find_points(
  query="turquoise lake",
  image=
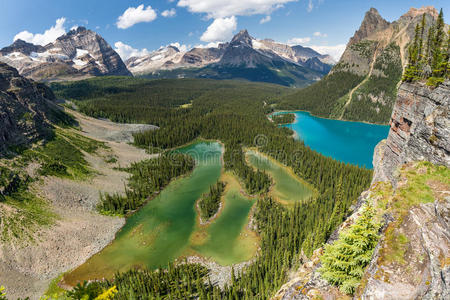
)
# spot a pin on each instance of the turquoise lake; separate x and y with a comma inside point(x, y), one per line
point(351, 142)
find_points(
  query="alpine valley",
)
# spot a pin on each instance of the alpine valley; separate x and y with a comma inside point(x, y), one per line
point(239, 171)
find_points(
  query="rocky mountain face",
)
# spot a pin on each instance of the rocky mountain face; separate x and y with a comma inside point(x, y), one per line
point(21, 47)
point(410, 190)
point(76, 54)
point(170, 57)
point(26, 109)
point(243, 57)
point(203, 56)
point(378, 53)
point(248, 51)
point(241, 52)
point(420, 130)
point(372, 22)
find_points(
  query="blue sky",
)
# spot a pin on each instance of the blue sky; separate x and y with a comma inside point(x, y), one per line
point(137, 24)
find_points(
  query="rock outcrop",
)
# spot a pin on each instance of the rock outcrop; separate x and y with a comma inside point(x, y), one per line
point(74, 55)
point(420, 130)
point(26, 108)
point(423, 269)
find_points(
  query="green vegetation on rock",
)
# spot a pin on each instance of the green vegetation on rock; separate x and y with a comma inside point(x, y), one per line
point(429, 61)
point(365, 48)
point(26, 212)
point(374, 99)
point(344, 261)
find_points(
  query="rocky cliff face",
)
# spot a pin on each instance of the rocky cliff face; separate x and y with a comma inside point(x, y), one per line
point(25, 109)
point(78, 53)
point(411, 196)
point(420, 130)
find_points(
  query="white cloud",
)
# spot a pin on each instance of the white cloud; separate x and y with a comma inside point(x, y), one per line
point(134, 15)
point(181, 47)
point(209, 45)
point(126, 51)
point(169, 13)
point(265, 19)
point(335, 51)
point(319, 34)
point(227, 8)
point(220, 30)
point(50, 35)
point(310, 6)
point(297, 41)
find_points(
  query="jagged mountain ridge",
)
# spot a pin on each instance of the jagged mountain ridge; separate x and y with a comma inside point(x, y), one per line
point(240, 58)
point(374, 60)
point(77, 54)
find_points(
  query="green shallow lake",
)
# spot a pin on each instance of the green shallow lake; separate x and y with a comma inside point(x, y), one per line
point(287, 189)
point(161, 231)
point(226, 241)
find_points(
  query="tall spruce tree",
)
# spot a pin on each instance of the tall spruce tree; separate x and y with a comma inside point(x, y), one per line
point(437, 54)
point(412, 70)
point(344, 262)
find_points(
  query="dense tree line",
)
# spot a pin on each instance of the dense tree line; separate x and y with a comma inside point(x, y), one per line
point(236, 115)
point(147, 177)
point(283, 119)
point(321, 97)
point(209, 203)
point(254, 181)
point(428, 57)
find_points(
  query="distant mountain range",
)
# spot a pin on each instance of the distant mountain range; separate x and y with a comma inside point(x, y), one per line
point(244, 57)
point(83, 53)
point(362, 86)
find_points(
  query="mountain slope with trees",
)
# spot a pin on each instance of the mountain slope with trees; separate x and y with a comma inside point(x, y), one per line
point(362, 85)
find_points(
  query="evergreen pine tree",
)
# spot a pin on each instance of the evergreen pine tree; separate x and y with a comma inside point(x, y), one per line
point(412, 70)
point(344, 262)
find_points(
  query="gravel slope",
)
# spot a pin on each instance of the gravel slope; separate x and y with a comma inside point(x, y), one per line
point(80, 232)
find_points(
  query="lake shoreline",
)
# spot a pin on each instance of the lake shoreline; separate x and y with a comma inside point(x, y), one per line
point(346, 141)
point(320, 117)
